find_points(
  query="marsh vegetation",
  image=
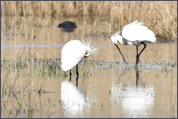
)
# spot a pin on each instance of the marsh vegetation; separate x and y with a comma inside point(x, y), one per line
point(32, 80)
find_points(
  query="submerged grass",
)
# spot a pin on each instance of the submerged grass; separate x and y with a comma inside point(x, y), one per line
point(51, 67)
point(48, 68)
point(162, 20)
point(159, 16)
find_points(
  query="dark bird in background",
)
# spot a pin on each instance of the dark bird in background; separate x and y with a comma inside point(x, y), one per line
point(67, 26)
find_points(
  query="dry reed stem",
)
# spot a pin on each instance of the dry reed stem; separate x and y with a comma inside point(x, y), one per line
point(159, 16)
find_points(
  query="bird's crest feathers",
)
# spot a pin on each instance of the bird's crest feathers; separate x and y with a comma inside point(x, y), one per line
point(116, 33)
point(89, 49)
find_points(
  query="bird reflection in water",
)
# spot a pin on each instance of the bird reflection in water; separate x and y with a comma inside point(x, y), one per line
point(136, 100)
point(73, 100)
point(137, 74)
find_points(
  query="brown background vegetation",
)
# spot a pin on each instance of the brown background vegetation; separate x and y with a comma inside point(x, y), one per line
point(159, 16)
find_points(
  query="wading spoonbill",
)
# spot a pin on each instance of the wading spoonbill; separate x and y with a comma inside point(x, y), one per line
point(134, 34)
point(74, 52)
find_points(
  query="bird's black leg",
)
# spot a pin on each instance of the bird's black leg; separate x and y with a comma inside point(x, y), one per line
point(77, 81)
point(77, 71)
point(70, 75)
point(136, 66)
point(138, 55)
point(143, 48)
point(77, 75)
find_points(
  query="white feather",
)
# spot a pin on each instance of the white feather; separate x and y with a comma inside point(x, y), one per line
point(73, 53)
point(133, 34)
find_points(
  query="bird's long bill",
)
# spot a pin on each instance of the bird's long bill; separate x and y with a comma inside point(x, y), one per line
point(121, 53)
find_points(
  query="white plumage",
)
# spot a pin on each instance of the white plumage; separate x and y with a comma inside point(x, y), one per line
point(134, 34)
point(74, 52)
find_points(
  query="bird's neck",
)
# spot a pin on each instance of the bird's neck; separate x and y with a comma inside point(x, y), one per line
point(123, 41)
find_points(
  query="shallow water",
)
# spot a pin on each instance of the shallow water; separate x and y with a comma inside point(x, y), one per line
point(107, 87)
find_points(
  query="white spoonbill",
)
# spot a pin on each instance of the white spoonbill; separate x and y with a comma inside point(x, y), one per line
point(134, 34)
point(74, 52)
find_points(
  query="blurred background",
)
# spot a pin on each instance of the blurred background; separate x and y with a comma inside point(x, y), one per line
point(33, 84)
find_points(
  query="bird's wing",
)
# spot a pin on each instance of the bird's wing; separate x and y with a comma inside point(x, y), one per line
point(72, 53)
point(136, 32)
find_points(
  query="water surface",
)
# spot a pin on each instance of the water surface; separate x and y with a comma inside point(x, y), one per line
point(107, 87)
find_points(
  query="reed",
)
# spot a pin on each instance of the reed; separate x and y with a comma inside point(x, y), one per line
point(159, 16)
